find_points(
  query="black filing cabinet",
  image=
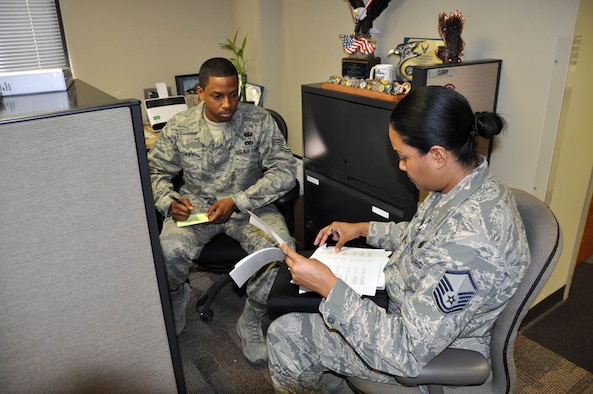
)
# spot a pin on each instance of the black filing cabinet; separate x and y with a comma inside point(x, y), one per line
point(350, 169)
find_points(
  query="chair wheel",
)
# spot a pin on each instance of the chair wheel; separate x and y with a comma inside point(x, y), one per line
point(206, 315)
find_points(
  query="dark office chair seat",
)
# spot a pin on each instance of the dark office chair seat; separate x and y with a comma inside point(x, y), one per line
point(222, 252)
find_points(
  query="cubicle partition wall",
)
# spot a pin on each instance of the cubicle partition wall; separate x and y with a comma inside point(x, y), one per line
point(83, 299)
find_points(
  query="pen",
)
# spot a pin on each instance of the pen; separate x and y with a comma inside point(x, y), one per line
point(181, 202)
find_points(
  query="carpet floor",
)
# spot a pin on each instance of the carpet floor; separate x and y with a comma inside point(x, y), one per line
point(213, 362)
point(567, 329)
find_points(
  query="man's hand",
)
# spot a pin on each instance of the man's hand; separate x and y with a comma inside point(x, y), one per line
point(310, 273)
point(181, 209)
point(221, 210)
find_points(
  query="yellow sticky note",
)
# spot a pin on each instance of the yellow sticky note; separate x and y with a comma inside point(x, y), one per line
point(194, 218)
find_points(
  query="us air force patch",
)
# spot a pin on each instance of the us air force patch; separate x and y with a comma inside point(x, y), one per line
point(454, 291)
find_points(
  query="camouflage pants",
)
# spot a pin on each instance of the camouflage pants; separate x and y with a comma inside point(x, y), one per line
point(304, 356)
point(182, 245)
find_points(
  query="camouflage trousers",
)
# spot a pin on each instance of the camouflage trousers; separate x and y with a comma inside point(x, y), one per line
point(305, 356)
point(182, 245)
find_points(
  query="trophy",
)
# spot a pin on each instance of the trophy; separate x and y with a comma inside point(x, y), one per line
point(359, 45)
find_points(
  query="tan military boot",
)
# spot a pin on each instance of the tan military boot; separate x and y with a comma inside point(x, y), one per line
point(249, 329)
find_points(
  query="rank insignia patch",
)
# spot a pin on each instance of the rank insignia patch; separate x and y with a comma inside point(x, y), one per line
point(454, 291)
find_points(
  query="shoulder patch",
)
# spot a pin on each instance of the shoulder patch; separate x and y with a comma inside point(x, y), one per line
point(454, 291)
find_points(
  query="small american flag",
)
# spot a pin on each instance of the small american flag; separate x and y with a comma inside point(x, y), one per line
point(362, 45)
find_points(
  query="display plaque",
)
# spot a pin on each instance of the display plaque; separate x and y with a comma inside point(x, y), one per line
point(358, 67)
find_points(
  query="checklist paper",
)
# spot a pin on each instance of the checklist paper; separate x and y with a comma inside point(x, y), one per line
point(360, 268)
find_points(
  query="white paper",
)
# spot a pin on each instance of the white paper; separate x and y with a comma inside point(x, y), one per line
point(257, 222)
point(360, 268)
point(252, 263)
point(161, 89)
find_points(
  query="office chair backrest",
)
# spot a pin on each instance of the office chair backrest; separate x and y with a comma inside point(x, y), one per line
point(545, 245)
point(280, 122)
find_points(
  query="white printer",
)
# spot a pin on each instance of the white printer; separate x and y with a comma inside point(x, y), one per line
point(160, 110)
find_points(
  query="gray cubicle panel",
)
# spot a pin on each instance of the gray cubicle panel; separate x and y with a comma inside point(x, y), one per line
point(477, 80)
point(83, 300)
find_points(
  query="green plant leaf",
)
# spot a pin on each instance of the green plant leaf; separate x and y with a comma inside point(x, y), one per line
point(231, 45)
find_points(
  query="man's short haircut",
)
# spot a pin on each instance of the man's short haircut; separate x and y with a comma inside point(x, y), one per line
point(216, 67)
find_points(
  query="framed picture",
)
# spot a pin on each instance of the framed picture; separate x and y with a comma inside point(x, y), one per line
point(255, 93)
point(186, 83)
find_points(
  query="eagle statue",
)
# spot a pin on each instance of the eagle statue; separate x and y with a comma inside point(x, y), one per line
point(450, 28)
point(364, 15)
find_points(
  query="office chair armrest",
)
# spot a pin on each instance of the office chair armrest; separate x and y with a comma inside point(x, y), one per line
point(290, 197)
point(453, 367)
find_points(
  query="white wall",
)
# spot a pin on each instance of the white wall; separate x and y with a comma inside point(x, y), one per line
point(569, 190)
point(122, 47)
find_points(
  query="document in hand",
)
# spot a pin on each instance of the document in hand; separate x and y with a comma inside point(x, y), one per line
point(252, 263)
point(360, 268)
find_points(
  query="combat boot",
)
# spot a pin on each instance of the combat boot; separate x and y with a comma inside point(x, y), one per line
point(249, 329)
point(179, 301)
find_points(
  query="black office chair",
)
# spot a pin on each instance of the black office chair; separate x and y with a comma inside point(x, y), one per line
point(222, 252)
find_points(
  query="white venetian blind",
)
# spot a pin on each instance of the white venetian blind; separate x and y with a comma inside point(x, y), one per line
point(30, 36)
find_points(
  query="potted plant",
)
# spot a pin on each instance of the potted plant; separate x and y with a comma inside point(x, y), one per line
point(238, 61)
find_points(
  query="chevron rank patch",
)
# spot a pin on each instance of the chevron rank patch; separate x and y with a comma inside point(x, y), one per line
point(454, 291)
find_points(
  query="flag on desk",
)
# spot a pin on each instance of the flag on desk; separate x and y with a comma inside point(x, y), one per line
point(352, 45)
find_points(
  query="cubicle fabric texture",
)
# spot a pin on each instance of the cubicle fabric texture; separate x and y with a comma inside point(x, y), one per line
point(81, 308)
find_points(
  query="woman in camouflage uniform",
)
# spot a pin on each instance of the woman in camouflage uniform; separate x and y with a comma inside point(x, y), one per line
point(454, 265)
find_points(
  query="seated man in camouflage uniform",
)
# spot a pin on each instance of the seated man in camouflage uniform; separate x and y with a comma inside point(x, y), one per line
point(454, 266)
point(234, 158)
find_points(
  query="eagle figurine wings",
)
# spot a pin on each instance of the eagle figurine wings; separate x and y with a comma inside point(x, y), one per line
point(450, 28)
point(364, 15)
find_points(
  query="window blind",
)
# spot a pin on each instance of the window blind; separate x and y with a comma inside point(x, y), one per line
point(31, 35)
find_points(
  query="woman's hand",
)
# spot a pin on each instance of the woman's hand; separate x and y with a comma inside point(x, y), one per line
point(309, 273)
point(341, 232)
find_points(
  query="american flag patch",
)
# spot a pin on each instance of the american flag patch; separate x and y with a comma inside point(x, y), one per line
point(454, 291)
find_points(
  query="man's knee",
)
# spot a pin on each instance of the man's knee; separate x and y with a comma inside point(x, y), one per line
point(178, 256)
point(259, 286)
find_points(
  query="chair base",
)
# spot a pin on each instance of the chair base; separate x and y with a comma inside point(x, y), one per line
point(206, 299)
